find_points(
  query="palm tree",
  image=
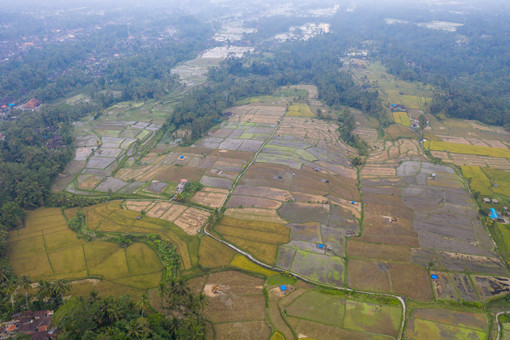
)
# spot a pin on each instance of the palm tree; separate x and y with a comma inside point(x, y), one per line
point(93, 295)
point(163, 291)
point(4, 270)
point(60, 287)
point(9, 289)
point(25, 284)
point(114, 312)
point(45, 289)
point(143, 304)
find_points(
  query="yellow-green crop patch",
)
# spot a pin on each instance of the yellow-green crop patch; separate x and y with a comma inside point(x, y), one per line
point(415, 102)
point(242, 262)
point(142, 260)
point(349, 316)
point(299, 110)
point(500, 179)
point(478, 180)
point(46, 251)
point(467, 149)
point(402, 118)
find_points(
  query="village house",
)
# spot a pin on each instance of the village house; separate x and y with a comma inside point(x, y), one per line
point(181, 186)
point(486, 200)
point(35, 324)
point(32, 105)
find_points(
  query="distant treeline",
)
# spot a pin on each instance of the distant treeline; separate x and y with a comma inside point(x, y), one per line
point(315, 61)
point(470, 68)
point(139, 72)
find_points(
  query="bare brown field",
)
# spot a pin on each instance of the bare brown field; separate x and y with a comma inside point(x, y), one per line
point(175, 174)
point(443, 289)
point(368, 275)
point(398, 240)
point(234, 296)
point(137, 205)
point(238, 201)
point(249, 330)
point(264, 192)
point(403, 273)
point(211, 197)
point(88, 182)
point(192, 220)
point(397, 130)
point(378, 171)
point(378, 251)
point(173, 213)
point(308, 198)
point(257, 214)
point(159, 209)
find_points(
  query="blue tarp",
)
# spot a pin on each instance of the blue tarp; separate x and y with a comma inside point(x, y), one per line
point(182, 157)
point(283, 287)
point(433, 276)
point(352, 202)
point(11, 105)
point(321, 246)
point(494, 214)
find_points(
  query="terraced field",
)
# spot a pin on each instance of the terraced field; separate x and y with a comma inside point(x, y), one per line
point(47, 249)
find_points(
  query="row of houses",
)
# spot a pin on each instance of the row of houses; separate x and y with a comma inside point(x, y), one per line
point(36, 325)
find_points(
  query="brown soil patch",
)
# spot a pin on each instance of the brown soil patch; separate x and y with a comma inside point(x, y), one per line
point(173, 212)
point(410, 280)
point(192, 220)
point(343, 187)
point(88, 182)
point(238, 201)
point(264, 192)
point(175, 174)
point(302, 197)
point(159, 209)
point(367, 275)
point(249, 330)
point(340, 170)
point(137, 205)
point(270, 175)
point(378, 171)
point(378, 251)
point(399, 240)
point(211, 197)
point(196, 285)
point(397, 130)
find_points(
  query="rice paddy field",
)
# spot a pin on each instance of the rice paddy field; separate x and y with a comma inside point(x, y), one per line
point(290, 197)
point(46, 249)
point(401, 118)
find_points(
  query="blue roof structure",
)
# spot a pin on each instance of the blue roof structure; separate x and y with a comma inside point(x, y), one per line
point(493, 214)
point(11, 105)
point(283, 287)
point(352, 202)
point(320, 245)
point(433, 276)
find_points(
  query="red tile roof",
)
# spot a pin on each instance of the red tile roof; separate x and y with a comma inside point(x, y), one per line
point(32, 104)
